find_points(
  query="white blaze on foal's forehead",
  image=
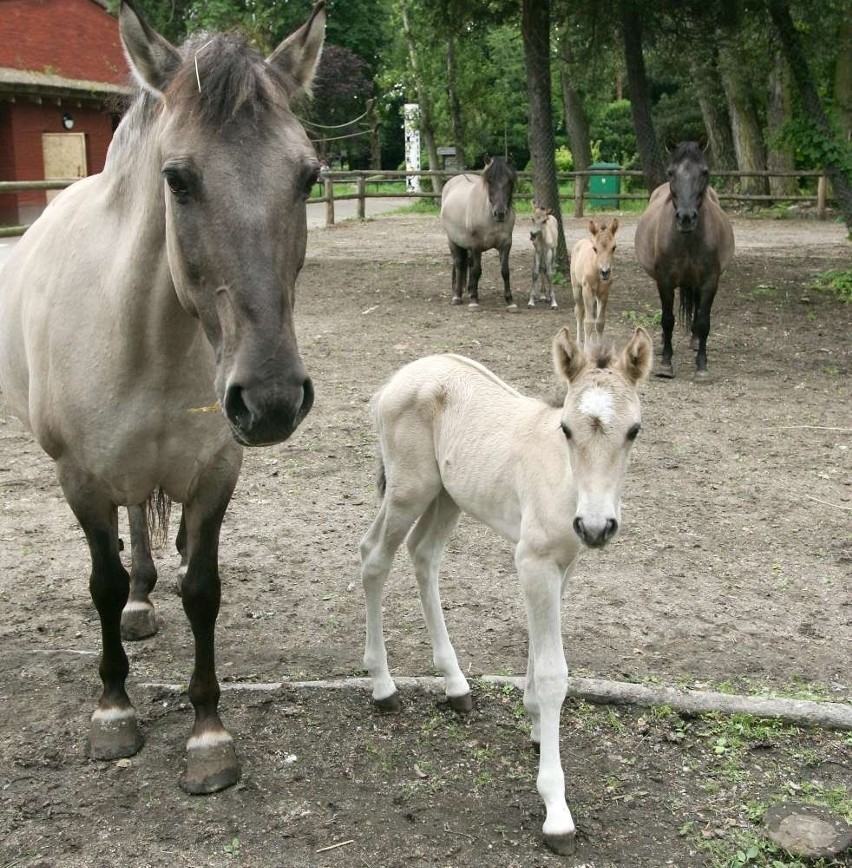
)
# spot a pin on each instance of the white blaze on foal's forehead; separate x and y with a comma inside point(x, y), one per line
point(597, 403)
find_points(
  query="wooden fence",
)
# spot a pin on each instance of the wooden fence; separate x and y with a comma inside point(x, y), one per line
point(368, 184)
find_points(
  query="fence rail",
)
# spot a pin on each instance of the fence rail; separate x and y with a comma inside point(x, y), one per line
point(362, 180)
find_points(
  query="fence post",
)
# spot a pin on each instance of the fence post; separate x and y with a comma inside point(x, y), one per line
point(579, 184)
point(821, 197)
point(329, 202)
point(361, 186)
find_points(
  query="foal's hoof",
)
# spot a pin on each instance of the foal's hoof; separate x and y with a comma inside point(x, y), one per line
point(474, 305)
point(664, 370)
point(456, 300)
point(138, 621)
point(462, 704)
point(114, 734)
point(702, 377)
point(512, 308)
point(562, 845)
point(210, 767)
point(531, 304)
point(388, 704)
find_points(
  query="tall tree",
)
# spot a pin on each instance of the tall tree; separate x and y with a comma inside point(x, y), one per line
point(535, 28)
point(704, 59)
point(576, 122)
point(640, 101)
point(835, 154)
point(780, 156)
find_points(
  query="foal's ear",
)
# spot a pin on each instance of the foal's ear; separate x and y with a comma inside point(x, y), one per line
point(298, 55)
point(638, 356)
point(613, 227)
point(153, 59)
point(568, 358)
point(593, 227)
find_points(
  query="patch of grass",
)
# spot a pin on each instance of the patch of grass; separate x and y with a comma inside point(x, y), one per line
point(837, 281)
point(648, 317)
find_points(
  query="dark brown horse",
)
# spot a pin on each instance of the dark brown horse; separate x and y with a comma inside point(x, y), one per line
point(477, 215)
point(684, 239)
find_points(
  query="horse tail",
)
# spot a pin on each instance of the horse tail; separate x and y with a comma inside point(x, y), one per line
point(689, 299)
point(381, 479)
point(158, 508)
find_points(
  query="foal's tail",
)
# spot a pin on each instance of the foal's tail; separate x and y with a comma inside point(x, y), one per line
point(689, 298)
point(158, 508)
point(381, 479)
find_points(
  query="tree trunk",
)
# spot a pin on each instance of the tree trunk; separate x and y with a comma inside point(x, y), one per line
point(714, 109)
point(426, 124)
point(798, 62)
point(843, 80)
point(780, 156)
point(748, 141)
point(640, 101)
point(455, 103)
point(535, 28)
point(576, 123)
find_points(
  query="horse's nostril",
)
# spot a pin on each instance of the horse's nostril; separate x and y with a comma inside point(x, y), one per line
point(578, 526)
point(236, 409)
point(307, 398)
point(611, 528)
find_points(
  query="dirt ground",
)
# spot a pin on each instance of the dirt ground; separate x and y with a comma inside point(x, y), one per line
point(732, 570)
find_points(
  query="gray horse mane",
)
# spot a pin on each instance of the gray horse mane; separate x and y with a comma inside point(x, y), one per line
point(688, 151)
point(223, 79)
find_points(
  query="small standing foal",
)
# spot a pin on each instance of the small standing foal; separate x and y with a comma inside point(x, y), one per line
point(591, 278)
point(546, 478)
point(544, 236)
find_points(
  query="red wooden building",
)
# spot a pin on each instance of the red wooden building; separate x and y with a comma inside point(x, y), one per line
point(64, 82)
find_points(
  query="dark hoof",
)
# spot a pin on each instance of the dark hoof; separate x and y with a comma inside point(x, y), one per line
point(138, 621)
point(112, 737)
point(389, 703)
point(702, 377)
point(666, 371)
point(210, 768)
point(456, 300)
point(462, 704)
point(562, 845)
point(512, 308)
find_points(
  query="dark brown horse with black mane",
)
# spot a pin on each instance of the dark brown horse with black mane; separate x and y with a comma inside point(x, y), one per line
point(684, 239)
point(477, 215)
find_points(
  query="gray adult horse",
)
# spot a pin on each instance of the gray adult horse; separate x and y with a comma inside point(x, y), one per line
point(477, 215)
point(162, 285)
point(684, 239)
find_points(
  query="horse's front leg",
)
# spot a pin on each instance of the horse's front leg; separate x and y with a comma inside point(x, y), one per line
point(551, 273)
point(547, 686)
point(579, 308)
point(211, 762)
point(536, 269)
point(590, 307)
point(474, 273)
point(114, 730)
point(504, 271)
point(600, 317)
point(138, 620)
point(701, 325)
point(666, 291)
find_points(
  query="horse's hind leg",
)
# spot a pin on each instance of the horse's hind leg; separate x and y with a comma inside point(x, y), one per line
point(180, 545)
point(211, 763)
point(138, 620)
point(114, 731)
point(550, 268)
point(426, 545)
point(459, 255)
point(379, 545)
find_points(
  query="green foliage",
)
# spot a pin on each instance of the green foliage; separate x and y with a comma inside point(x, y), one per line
point(564, 160)
point(613, 129)
point(837, 281)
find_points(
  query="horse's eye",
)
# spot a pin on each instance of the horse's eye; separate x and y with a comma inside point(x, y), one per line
point(566, 431)
point(633, 431)
point(177, 184)
point(309, 184)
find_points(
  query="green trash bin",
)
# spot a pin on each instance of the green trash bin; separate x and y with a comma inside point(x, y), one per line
point(604, 189)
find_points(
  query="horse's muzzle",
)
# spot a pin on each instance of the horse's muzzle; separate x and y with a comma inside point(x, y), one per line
point(595, 534)
point(256, 422)
point(499, 215)
point(686, 221)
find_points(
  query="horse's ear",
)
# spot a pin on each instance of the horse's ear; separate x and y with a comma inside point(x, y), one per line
point(593, 227)
point(298, 55)
point(670, 144)
point(638, 356)
point(153, 59)
point(613, 227)
point(568, 358)
point(704, 143)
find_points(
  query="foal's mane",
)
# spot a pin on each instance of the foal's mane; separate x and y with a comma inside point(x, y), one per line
point(222, 78)
point(599, 357)
point(688, 151)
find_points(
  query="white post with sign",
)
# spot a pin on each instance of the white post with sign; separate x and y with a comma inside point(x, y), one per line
point(411, 128)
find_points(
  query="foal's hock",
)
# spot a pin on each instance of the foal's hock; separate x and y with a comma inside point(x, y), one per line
point(547, 478)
